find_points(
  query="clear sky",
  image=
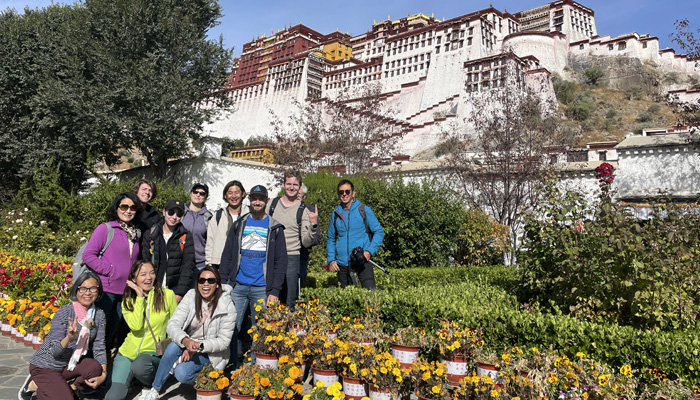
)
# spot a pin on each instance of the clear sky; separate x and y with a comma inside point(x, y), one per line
point(245, 19)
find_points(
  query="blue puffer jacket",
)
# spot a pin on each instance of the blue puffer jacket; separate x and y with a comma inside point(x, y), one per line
point(346, 230)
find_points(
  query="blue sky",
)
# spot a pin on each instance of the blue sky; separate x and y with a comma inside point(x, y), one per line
point(244, 19)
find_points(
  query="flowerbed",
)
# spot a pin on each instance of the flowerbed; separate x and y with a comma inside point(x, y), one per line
point(32, 293)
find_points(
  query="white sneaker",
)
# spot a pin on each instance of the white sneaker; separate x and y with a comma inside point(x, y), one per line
point(144, 393)
point(151, 394)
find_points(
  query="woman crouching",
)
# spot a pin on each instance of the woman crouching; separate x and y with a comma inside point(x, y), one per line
point(201, 329)
point(147, 308)
point(75, 328)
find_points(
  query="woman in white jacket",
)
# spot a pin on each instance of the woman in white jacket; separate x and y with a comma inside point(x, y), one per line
point(201, 329)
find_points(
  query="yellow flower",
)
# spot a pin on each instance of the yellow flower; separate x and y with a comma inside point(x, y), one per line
point(552, 379)
point(213, 374)
point(579, 354)
point(222, 383)
point(585, 395)
point(271, 394)
point(264, 382)
point(436, 389)
point(494, 393)
point(603, 380)
point(626, 370)
point(320, 384)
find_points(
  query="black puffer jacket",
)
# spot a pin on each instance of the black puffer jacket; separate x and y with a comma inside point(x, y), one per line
point(174, 260)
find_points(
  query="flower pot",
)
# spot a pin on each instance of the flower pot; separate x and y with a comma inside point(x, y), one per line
point(208, 394)
point(299, 330)
point(331, 336)
point(37, 342)
point(490, 370)
point(376, 393)
point(328, 377)
point(354, 388)
point(6, 329)
point(421, 397)
point(456, 368)
point(405, 354)
point(265, 361)
point(28, 338)
point(241, 396)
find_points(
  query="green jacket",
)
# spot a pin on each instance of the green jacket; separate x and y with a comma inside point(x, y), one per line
point(139, 339)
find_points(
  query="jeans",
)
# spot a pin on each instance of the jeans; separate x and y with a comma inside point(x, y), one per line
point(245, 296)
point(185, 372)
point(290, 290)
point(365, 272)
point(111, 304)
point(124, 370)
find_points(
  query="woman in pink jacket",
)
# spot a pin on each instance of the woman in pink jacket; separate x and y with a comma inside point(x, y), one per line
point(113, 266)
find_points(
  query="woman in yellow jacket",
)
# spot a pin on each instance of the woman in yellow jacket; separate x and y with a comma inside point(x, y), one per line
point(144, 298)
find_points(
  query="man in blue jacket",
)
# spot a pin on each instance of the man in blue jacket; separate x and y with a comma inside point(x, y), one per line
point(352, 225)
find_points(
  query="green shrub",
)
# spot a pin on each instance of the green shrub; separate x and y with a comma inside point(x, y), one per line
point(593, 76)
point(604, 265)
point(46, 218)
point(565, 90)
point(410, 215)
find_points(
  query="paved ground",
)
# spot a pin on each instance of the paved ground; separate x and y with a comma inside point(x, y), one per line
point(14, 368)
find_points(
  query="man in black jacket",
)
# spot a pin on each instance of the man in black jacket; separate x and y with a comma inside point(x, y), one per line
point(170, 247)
point(146, 191)
point(254, 260)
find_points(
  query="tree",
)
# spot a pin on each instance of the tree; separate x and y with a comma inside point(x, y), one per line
point(354, 131)
point(688, 112)
point(80, 82)
point(501, 152)
point(53, 104)
point(164, 77)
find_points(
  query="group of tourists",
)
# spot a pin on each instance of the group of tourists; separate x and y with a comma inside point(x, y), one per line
point(170, 290)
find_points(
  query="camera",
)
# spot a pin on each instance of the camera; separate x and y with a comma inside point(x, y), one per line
point(357, 256)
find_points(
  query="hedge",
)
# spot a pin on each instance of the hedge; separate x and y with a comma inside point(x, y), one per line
point(499, 315)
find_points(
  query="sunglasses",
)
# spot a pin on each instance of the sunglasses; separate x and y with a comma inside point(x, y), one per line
point(199, 192)
point(126, 207)
point(210, 281)
point(344, 192)
point(179, 213)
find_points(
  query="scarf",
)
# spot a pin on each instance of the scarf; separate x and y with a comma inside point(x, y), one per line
point(130, 230)
point(86, 319)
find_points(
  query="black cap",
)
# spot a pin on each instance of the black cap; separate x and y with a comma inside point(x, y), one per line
point(200, 186)
point(174, 204)
point(258, 189)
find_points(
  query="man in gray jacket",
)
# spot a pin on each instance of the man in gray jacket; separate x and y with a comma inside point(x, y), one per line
point(254, 260)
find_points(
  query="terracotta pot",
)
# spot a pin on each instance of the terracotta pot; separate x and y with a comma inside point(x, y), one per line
point(376, 393)
point(266, 360)
point(37, 342)
point(456, 368)
point(328, 377)
point(490, 370)
point(406, 355)
point(6, 329)
point(29, 338)
point(208, 394)
point(354, 388)
point(241, 396)
point(420, 397)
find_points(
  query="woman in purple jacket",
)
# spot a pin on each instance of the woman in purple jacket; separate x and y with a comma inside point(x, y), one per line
point(113, 267)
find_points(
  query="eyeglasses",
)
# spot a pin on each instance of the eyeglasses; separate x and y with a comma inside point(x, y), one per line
point(125, 207)
point(344, 192)
point(179, 213)
point(91, 289)
point(199, 192)
point(210, 281)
